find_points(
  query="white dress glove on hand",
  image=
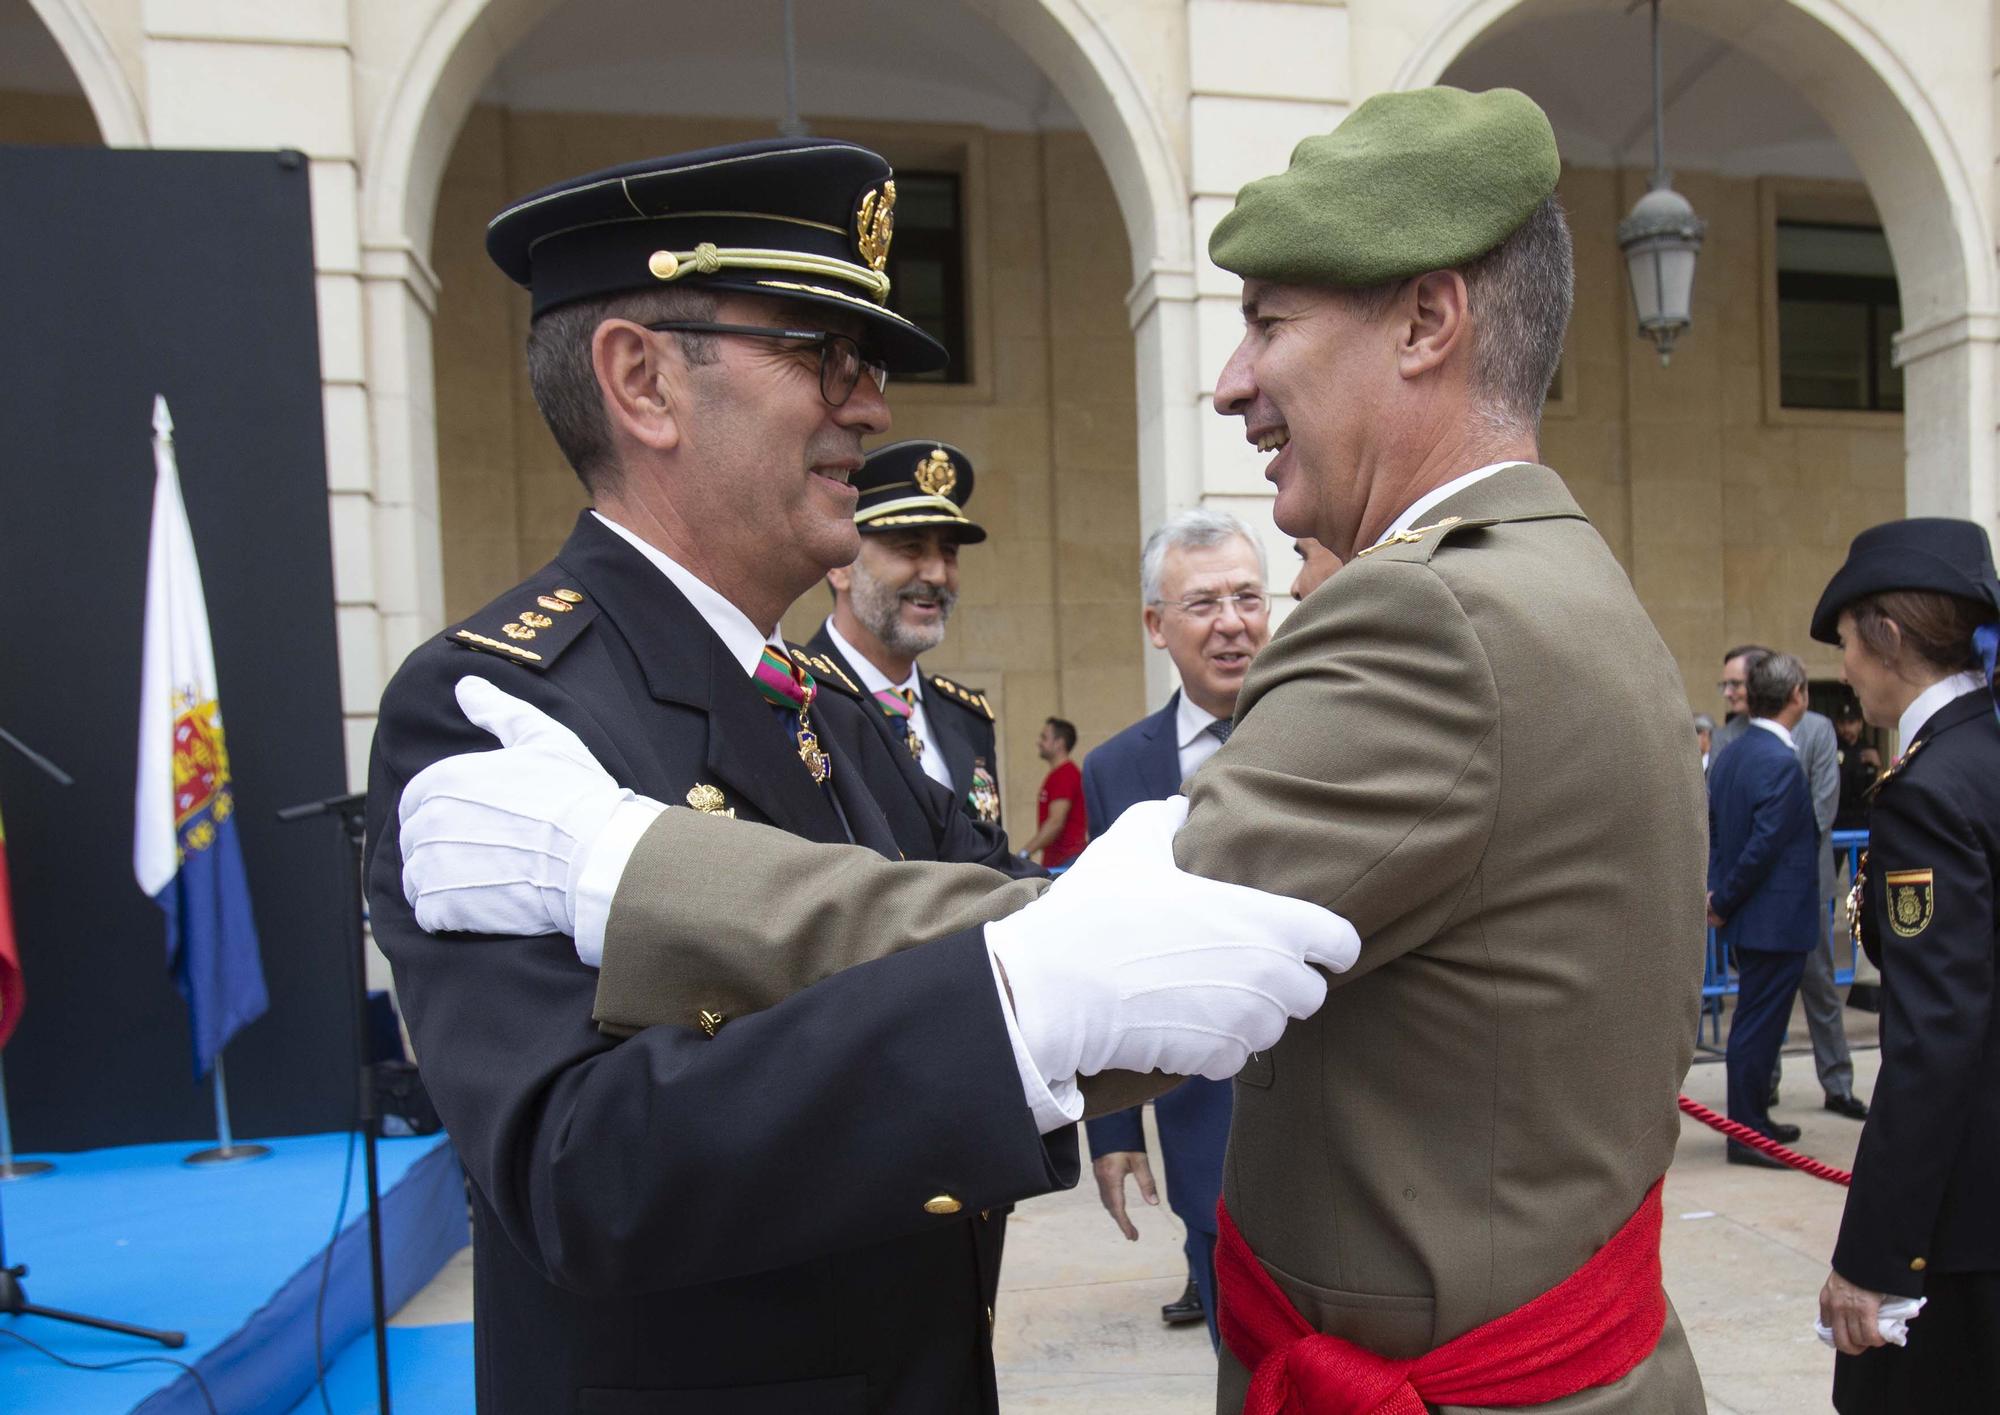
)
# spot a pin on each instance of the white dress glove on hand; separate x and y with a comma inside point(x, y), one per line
point(1128, 963)
point(494, 842)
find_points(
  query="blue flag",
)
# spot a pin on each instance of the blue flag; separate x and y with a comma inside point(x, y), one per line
point(185, 850)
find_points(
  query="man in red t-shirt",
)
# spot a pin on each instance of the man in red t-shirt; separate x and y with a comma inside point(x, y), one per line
point(1060, 824)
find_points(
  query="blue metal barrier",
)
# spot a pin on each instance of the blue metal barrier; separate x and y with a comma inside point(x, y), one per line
point(1718, 979)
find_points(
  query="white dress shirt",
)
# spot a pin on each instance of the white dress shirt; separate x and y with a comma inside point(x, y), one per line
point(1416, 509)
point(876, 681)
point(1053, 1105)
point(1197, 744)
point(1776, 729)
point(1926, 704)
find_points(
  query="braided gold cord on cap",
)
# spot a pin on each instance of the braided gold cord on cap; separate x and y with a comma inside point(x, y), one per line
point(708, 259)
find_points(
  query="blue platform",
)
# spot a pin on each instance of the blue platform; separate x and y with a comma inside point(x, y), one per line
point(231, 1255)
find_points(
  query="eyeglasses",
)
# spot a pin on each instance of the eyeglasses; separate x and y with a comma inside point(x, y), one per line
point(840, 362)
point(1202, 608)
point(1731, 685)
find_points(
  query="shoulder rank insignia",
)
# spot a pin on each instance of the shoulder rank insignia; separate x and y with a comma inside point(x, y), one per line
point(531, 627)
point(964, 697)
point(1411, 536)
point(825, 670)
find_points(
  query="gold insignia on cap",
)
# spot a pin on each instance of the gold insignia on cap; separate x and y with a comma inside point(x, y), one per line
point(1911, 895)
point(708, 800)
point(936, 475)
point(569, 596)
point(875, 226)
point(664, 265)
point(550, 602)
point(536, 621)
point(517, 631)
point(711, 1022)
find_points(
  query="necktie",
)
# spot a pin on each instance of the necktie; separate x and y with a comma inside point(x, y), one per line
point(1220, 729)
point(900, 706)
point(789, 688)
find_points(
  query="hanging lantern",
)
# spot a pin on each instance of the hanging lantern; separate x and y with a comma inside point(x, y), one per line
point(1660, 239)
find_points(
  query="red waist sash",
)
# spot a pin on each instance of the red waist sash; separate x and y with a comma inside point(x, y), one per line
point(1588, 1330)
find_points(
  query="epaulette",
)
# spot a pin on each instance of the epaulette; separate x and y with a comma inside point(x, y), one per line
point(1429, 538)
point(528, 627)
point(964, 697)
point(825, 670)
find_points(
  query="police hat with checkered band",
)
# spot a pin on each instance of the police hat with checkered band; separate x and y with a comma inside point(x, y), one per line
point(918, 483)
point(799, 219)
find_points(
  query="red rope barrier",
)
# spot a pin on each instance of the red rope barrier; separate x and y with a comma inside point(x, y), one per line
point(1744, 1135)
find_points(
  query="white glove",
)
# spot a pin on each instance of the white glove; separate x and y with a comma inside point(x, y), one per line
point(1892, 1319)
point(1128, 963)
point(494, 842)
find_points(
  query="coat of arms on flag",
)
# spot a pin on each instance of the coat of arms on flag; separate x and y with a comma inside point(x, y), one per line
point(185, 850)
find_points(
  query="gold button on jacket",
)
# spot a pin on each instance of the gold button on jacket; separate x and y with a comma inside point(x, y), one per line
point(942, 1204)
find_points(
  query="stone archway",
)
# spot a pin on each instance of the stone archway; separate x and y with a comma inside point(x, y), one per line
point(1928, 198)
point(120, 120)
point(409, 145)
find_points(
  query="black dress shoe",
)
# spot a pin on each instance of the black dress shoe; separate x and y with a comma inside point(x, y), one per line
point(1743, 1154)
point(1847, 1106)
point(1783, 1134)
point(1184, 1308)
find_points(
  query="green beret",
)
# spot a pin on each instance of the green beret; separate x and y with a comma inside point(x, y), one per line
point(1410, 182)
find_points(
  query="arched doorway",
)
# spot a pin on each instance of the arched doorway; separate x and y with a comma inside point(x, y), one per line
point(502, 97)
point(1730, 493)
point(45, 49)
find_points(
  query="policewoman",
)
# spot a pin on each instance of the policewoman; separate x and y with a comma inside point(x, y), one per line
point(1916, 612)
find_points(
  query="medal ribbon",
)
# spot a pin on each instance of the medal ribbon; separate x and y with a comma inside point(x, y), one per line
point(786, 685)
point(899, 705)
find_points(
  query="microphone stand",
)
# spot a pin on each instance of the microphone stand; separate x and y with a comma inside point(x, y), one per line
point(13, 1297)
point(350, 810)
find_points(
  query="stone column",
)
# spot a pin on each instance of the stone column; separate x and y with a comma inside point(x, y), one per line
point(263, 76)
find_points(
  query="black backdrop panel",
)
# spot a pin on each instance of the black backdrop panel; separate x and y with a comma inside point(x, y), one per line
point(189, 274)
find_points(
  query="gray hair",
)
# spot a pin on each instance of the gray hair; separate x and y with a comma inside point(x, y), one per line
point(564, 381)
point(1703, 722)
point(1194, 529)
point(1771, 682)
point(1520, 294)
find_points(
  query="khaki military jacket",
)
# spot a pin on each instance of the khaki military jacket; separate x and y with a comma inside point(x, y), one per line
point(1472, 743)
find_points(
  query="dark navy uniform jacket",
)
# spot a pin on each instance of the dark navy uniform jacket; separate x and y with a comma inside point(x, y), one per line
point(963, 728)
point(673, 1222)
point(1143, 763)
point(1926, 1192)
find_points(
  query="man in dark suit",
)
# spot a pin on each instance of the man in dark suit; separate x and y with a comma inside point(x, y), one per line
point(1187, 570)
point(1763, 883)
point(892, 604)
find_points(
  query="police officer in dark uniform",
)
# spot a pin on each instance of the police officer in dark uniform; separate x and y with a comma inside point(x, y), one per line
point(892, 603)
point(784, 1213)
point(1916, 611)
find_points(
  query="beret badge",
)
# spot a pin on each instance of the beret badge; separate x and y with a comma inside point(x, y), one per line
point(875, 225)
point(936, 476)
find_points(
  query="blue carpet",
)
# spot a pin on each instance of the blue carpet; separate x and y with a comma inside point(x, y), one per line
point(430, 1373)
point(230, 1255)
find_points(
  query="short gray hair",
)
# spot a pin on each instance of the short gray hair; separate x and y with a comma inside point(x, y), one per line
point(1194, 529)
point(1703, 722)
point(564, 381)
point(1771, 682)
point(1520, 294)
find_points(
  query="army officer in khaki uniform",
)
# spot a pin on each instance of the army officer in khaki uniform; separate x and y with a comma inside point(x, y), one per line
point(1478, 1118)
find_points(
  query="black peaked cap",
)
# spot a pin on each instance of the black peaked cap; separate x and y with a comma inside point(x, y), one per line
point(807, 219)
point(916, 483)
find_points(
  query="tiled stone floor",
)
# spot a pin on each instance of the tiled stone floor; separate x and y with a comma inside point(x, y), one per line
point(1745, 1253)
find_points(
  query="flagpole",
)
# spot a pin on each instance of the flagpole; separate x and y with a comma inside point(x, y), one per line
point(10, 1168)
point(228, 1151)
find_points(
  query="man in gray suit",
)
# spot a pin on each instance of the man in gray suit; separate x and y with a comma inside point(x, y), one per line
point(1819, 754)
